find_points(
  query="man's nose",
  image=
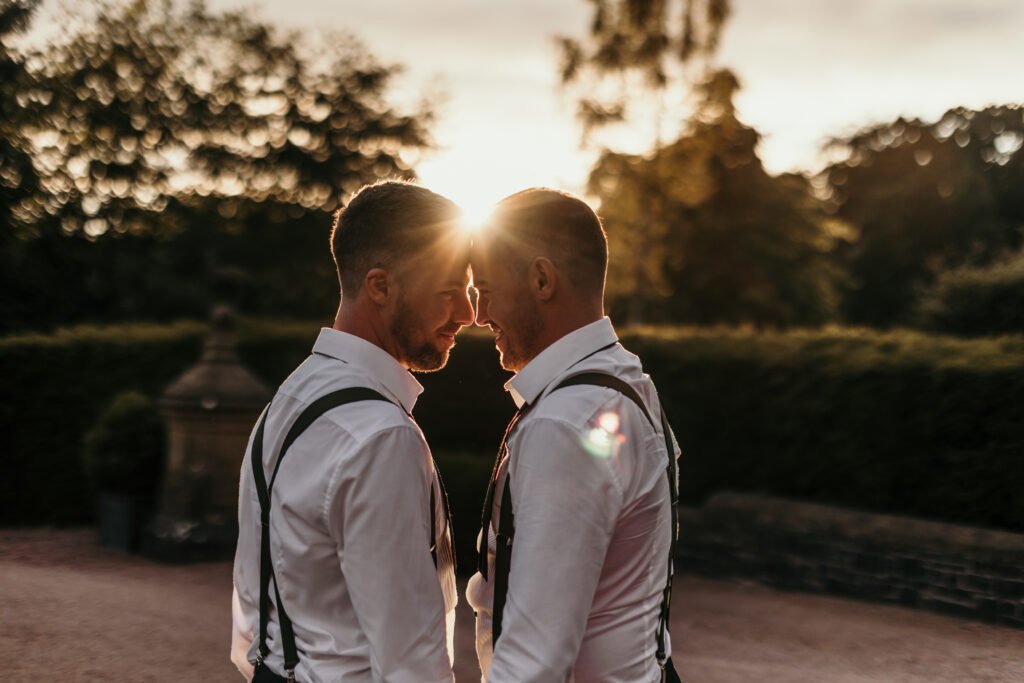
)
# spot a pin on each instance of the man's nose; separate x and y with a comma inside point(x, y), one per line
point(463, 314)
point(481, 311)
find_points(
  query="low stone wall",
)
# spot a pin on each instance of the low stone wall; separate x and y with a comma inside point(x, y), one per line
point(977, 573)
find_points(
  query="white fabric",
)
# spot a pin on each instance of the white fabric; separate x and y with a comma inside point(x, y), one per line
point(592, 525)
point(350, 531)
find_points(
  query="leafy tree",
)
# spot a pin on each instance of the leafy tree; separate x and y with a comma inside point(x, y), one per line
point(638, 47)
point(18, 178)
point(925, 197)
point(187, 155)
point(700, 233)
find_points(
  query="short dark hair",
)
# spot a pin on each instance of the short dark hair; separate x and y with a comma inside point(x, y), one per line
point(555, 224)
point(384, 225)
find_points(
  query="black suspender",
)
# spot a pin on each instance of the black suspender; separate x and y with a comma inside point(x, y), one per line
point(506, 519)
point(263, 491)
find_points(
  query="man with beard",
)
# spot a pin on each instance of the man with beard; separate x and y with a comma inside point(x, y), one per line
point(575, 550)
point(344, 552)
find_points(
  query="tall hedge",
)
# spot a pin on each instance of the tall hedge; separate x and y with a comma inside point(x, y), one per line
point(898, 422)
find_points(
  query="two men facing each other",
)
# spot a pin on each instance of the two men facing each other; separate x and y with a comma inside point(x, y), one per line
point(572, 578)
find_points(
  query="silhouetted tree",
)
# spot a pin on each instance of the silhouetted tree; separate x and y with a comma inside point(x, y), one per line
point(186, 154)
point(700, 233)
point(18, 178)
point(925, 197)
point(638, 46)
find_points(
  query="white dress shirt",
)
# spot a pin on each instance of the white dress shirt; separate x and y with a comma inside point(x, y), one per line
point(349, 530)
point(592, 524)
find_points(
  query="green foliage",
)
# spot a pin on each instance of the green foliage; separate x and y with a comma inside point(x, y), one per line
point(124, 451)
point(699, 232)
point(896, 422)
point(187, 155)
point(648, 39)
point(977, 300)
point(899, 422)
point(925, 197)
point(19, 180)
point(55, 387)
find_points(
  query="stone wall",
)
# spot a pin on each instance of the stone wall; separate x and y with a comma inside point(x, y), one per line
point(977, 573)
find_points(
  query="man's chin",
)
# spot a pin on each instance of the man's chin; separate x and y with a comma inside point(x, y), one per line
point(429, 359)
point(508, 361)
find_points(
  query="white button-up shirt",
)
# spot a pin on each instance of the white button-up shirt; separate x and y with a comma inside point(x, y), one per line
point(349, 529)
point(592, 524)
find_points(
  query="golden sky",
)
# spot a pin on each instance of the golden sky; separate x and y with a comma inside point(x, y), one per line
point(809, 68)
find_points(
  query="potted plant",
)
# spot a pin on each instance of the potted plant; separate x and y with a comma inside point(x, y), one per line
point(123, 457)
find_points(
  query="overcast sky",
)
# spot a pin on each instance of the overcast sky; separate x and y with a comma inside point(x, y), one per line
point(809, 68)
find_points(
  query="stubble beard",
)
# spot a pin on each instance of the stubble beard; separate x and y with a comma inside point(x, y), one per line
point(520, 340)
point(419, 354)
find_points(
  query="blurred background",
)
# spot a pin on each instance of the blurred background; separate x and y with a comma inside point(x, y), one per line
point(815, 214)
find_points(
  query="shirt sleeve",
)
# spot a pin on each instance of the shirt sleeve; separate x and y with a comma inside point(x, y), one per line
point(379, 516)
point(245, 592)
point(565, 501)
point(241, 638)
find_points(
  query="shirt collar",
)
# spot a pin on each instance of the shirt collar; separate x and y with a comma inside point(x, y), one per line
point(553, 361)
point(373, 361)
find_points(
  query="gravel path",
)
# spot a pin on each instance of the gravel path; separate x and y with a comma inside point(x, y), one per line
point(71, 611)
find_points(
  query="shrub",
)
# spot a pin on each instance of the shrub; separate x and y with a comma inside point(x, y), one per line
point(977, 301)
point(123, 452)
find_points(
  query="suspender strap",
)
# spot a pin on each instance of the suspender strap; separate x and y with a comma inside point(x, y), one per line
point(607, 381)
point(502, 559)
point(433, 520)
point(263, 492)
point(506, 519)
point(488, 511)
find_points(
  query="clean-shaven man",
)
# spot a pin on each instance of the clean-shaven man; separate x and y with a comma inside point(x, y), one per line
point(574, 568)
point(342, 522)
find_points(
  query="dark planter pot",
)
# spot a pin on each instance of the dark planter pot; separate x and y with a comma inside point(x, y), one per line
point(119, 520)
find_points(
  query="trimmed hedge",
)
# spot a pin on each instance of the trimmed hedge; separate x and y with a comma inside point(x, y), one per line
point(897, 422)
point(53, 390)
point(55, 386)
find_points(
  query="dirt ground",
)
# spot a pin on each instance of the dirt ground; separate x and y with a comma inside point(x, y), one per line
point(71, 611)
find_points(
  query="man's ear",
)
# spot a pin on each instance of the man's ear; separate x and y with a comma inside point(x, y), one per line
point(543, 278)
point(378, 286)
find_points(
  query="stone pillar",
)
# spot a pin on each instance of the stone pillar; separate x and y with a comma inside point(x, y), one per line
point(210, 411)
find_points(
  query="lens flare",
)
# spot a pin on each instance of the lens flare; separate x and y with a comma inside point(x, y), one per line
point(609, 422)
point(602, 440)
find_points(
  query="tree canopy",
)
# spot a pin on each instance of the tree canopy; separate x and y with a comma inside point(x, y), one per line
point(925, 197)
point(700, 233)
point(185, 155)
point(638, 46)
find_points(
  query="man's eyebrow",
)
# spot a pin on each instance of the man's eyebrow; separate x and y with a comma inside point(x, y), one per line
point(455, 283)
point(477, 281)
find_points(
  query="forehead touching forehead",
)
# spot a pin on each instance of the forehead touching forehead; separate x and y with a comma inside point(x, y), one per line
point(479, 259)
point(392, 224)
point(549, 223)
